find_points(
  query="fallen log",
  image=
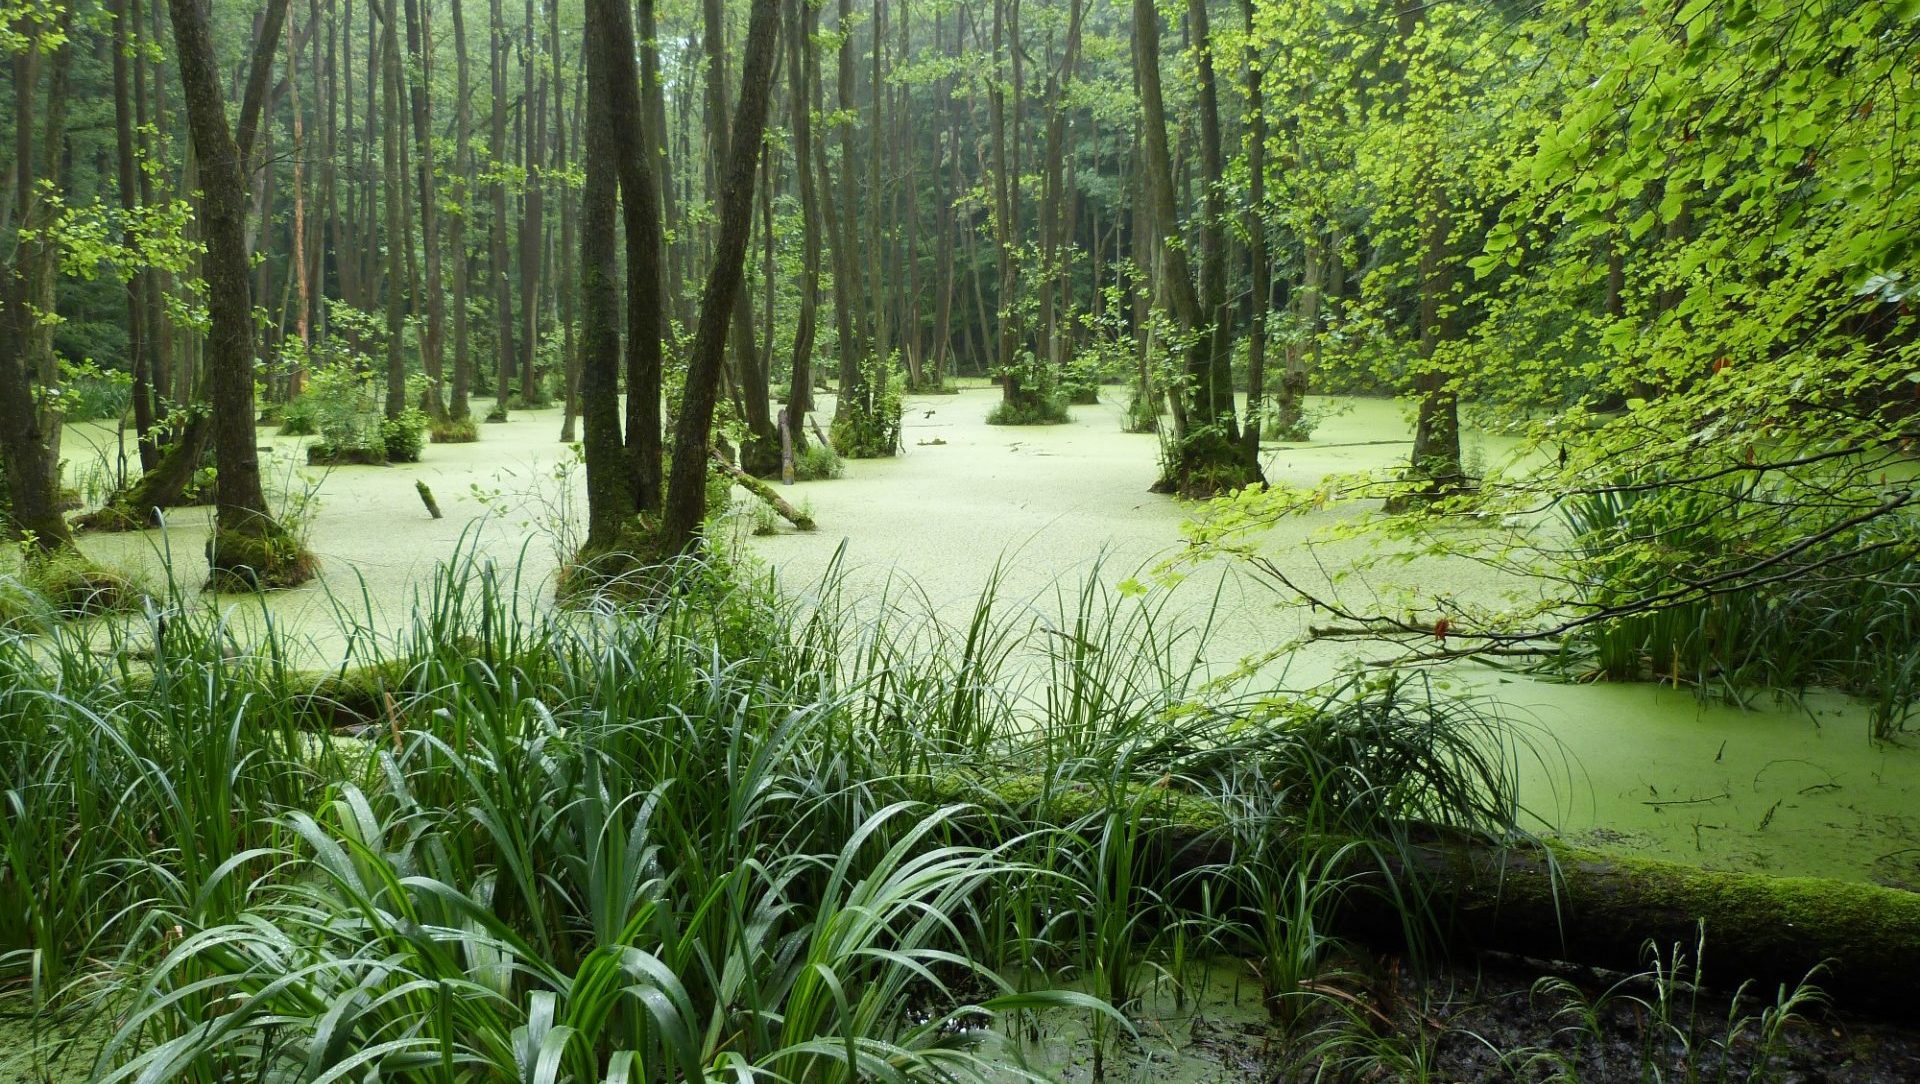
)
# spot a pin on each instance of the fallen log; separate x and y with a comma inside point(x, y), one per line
point(765, 492)
point(1552, 901)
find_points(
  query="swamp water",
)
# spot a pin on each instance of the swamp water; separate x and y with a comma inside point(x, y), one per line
point(1638, 769)
point(1631, 769)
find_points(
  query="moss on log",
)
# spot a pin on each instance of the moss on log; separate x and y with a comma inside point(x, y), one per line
point(1549, 900)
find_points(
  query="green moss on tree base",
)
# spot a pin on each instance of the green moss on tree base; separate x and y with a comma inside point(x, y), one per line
point(454, 431)
point(1203, 465)
point(256, 559)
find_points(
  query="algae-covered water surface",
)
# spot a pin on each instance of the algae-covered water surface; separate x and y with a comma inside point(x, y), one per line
point(1788, 788)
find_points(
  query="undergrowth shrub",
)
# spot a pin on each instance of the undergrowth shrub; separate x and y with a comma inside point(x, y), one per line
point(866, 421)
point(454, 431)
point(88, 392)
point(405, 435)
point(1041, 400)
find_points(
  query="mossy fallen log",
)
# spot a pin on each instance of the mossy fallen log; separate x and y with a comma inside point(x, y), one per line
point(766, 494)
point(1549, 900)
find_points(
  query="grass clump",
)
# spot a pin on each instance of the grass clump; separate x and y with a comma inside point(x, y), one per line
point(39, 589)
point(817, 462)
point(453, 431)
point(1048, 409)
point(1848, 616)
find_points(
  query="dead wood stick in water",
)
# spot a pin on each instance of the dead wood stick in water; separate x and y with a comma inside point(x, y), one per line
point(426, 498)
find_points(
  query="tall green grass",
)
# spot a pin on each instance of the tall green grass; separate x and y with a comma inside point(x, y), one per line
point(1844, 613)
point(727, 833)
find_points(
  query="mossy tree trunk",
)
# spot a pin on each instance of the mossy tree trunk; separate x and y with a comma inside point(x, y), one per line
point(248, 545)
point(1202, 457)
point(686, 504)
point(29, 437)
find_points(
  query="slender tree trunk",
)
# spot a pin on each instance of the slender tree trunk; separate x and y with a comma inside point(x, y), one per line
point(1435, 469)
point(458, 407)
point(800, 74)
point(29, 434)
point(654, 101)
point(533, 222)
point(1260, 270)
point(433, 335)
point(303, 326)
point(393, 197)
point(1004, 224)
point(686, 504)
point(640, 206)
point(760, 453)
point(126, 19)
point(562, 139)
point(497, 238)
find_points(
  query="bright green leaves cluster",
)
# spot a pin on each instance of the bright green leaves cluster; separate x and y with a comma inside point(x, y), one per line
point(1678, 241)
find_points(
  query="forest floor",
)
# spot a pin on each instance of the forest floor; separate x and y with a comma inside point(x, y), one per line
point(1782, 788)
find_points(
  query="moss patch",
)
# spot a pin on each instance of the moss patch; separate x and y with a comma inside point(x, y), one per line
point(256, 559)
point(454, 431)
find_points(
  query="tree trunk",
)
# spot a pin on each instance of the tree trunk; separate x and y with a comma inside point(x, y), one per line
point(654, 102)
point(641, 201)
point(393, 197)
point(458, 407)
point(686, 505)
point(562, 138)
point(125, 32)
point(533, 222)
point(29, 440)
point(1201, 458)
point(248, 546)
point(1260, 269)
point(497, 237)
point(610, 497)
point(800, 76)
point(433, 335)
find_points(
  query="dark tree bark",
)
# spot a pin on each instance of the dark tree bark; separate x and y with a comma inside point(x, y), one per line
point(126, 18)
point(686, 504)
point(610, 495)
point(433, 335)
point(640, 205)
point(497, 237)
point(393, 198)
point(458, 407)
point(1202, 458)
point(533, 219)
point(248, 546)
point(29, 444)
point(562, 139)
point(1260, 270)
point(654, 100)
point(760, 453)
point(800, 73)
